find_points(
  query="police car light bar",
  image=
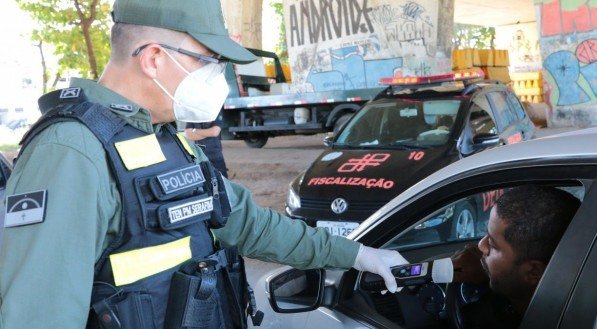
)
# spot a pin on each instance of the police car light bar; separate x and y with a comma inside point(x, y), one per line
point(454, 76)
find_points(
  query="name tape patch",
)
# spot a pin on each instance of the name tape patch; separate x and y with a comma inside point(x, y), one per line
point(180, 179)
point(24, 209)
point(190, 209)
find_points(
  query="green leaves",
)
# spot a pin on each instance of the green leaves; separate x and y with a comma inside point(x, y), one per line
point(473, 36)
point(76, 30)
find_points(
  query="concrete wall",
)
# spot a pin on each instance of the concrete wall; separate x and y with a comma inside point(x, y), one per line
point(568, 40)
point(522, 42)
point(243, 18)
point(350, 44)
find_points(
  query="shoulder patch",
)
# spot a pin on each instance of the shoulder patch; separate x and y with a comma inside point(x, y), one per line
point(122, 107)
point(70, 93)
point(24, 209)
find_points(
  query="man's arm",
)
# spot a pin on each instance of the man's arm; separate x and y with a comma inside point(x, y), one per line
point(267, 235)
point(47, 268)
point(195, 133)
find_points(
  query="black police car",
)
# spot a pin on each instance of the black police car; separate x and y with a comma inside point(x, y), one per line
point(413, 128)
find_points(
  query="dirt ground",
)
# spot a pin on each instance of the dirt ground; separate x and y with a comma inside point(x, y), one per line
point(268, 171)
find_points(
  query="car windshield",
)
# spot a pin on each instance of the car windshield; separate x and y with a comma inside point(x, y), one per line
point(400, 123)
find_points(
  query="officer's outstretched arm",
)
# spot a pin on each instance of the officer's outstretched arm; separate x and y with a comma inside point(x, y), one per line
point(267, 235)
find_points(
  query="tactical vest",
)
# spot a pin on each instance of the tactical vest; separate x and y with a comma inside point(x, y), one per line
point(168, 210)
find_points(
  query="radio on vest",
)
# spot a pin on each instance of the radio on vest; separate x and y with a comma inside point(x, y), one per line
point(437, 271)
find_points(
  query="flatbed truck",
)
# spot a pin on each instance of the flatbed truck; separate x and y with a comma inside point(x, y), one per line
point(268, 113)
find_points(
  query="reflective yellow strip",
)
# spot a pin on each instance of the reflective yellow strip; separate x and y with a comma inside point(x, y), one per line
point(130, 266)
point(185, 143)
point(140, 152)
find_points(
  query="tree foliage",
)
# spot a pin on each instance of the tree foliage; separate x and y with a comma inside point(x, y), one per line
point(473, 36)
point(77, 30)
point(280, 48)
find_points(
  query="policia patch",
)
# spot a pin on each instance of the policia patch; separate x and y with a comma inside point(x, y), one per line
point(24, 209)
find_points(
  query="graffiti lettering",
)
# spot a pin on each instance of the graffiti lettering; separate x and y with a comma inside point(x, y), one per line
point(385, 15)
point(422, 69)
point(327, 19)
point(412, 11)
point(352, 181)
point(409, 31)
point(586, 52)
point(556, 20)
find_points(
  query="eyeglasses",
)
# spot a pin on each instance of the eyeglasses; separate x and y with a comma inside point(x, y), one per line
point(201, 58)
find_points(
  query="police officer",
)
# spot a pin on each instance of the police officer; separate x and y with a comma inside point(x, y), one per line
point(115, 221)
point(207, 136)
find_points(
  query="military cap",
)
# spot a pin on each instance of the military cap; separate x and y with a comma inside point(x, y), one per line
point(201, 19)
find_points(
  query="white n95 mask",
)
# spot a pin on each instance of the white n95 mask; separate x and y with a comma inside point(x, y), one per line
point(200, 95)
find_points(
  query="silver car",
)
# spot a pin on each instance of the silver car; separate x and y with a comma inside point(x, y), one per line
point(413, 222)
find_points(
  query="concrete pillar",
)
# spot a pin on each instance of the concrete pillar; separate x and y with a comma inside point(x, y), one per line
point(445, 31)
point(243, 18)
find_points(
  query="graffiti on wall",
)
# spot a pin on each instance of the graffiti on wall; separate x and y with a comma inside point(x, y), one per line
point(314, 21)
point(349, 70)
point(350, 44)
point(568, 39)
point(560, 17)
point(572, 79)
point(522, 42)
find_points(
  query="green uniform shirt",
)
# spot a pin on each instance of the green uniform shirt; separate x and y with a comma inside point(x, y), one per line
point(46, 269)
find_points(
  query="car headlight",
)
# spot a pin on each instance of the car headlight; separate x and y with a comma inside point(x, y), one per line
point(293, 201)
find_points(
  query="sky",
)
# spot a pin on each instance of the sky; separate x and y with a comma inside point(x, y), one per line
point(19, 60)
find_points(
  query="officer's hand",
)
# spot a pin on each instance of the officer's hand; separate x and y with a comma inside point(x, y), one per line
point(379, 261)
point(467, 265)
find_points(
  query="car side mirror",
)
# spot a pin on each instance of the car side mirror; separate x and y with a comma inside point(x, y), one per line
point(328, 141)
point(485, 140)
point(295, 291)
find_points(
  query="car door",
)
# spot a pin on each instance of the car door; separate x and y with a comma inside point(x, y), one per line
point(506, 118)
point(479, 120)
point(523, 121)
point(392, 229)
point(566, 297)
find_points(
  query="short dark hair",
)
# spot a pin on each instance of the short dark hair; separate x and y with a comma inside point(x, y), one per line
point(536, 218)
point(124, 38)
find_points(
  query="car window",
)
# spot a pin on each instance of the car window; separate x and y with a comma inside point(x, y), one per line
point(516, 106)
point(505, 116)
point(464, 219)
point(401, 123)
point(480, 118)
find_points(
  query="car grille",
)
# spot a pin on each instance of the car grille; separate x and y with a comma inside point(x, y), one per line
point(317, 204)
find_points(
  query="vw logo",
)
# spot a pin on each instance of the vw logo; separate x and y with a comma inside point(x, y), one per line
point(339, 206)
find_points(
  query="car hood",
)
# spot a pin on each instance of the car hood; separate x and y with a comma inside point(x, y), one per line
point(370, 175)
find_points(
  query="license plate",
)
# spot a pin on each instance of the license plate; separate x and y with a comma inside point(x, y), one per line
point(338, 228)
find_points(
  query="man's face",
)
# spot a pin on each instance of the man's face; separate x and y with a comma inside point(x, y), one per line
point(499, 259)
point(171, 75)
